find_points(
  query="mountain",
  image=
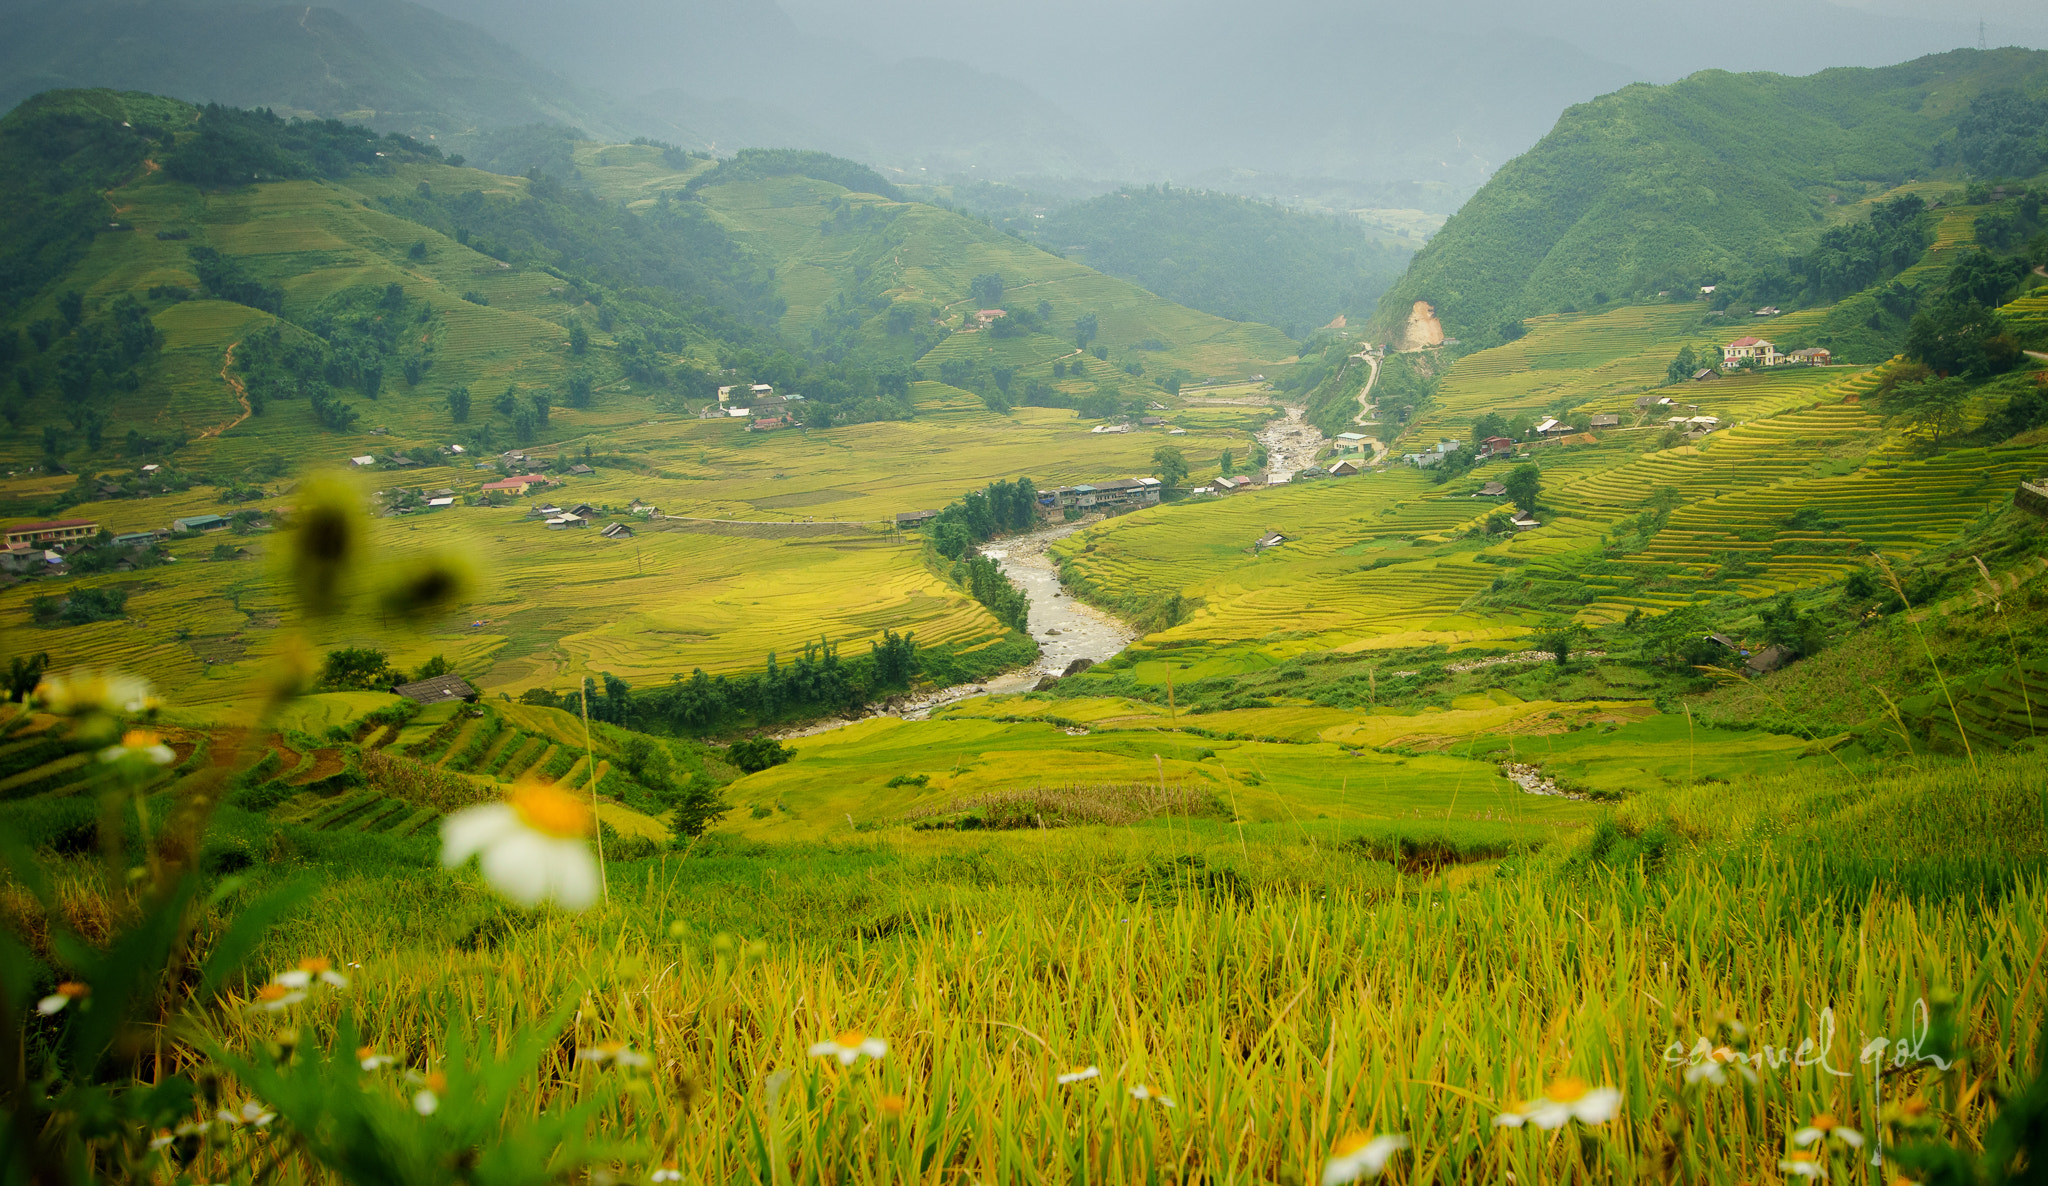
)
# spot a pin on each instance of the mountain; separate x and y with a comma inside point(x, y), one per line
point(388, 64)
point(1661, 188)
point(1231, 256)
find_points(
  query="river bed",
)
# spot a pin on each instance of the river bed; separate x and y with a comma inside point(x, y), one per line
point(1066, 630)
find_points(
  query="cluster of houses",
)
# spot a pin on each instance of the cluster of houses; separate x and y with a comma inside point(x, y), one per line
point(759, 406)
point(44, 546)
point(1761, 352)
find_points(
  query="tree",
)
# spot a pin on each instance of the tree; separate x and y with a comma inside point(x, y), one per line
point(438, 665)
point(987, 290)
point(1492, 424)
point(1169, 465)
point(1982, 278)
point(71, 306)
point(579, 339)
point(540, 408)
point(418, 250)
point(698, 806)
point(755, 754)
point(24, 673)
point(1561, 642)
point(506, 401)
point(1932, 406)
point(1228, 463)
point(1524, 483)
point(458, 404)
point(524, 427)
point(1959, 338)
point(1085, 330)
point(357, 668)
point(1682, 367)
point(579, 391)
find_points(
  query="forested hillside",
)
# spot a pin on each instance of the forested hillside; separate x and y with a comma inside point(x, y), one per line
point(1231, 256)
point(1718, 179)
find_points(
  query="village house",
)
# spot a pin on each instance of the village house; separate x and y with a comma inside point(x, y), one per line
point(438, 690)
point(1423, 460)
point(1604, 422)
point(617, 531)
point(1343, 469)
point(566, 520)
point(435, 504)
point(25, 560)
point(988, 316)
point(1449, 446)
point(363, 462)
point(767, 423)
point(1811, 356)
point(547, 511)
point(132, 539)
point(581, 471)
point(1553, 427)
point(1497, 447)
point(55, 531)
point(1233, 483)
point(1767, 311)
point(585, 510)
point(905, 520)
point(517, 485)
point(1271, 539)
point(1700, 376)
point(1491, 490)
point(1524, 521)
point(151, 468)
point(1745, 348)
point(200, 523)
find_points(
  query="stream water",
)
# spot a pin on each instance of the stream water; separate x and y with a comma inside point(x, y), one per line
point(1066, 630)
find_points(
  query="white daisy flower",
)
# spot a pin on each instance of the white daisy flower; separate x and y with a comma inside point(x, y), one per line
point(849, 1047)
point(1826, 1127)
point(667, 1173)
point(1714, 1069)
point(252, 1113)
point(272, 998)
point(531, 846)
point(67, 992)
point(1565, 1100)
point(368, 1058)
point(614, 1052)
point(427, 1100)
point(1144, 1092)
point(85, 690)
point(1804, 1164)
point(1359, 1156)
point(1079, 1073)
point(191, 1128)
point(139, 745)
point(309, 970)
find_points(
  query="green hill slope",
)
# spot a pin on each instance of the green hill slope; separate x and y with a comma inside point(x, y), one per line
point(1718, 176)
point(1231, 256)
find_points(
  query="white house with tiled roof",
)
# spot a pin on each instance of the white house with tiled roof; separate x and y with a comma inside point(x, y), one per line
point(1735, 353)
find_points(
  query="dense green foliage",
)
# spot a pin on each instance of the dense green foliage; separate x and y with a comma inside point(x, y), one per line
point(235, 147)
point(1231, 256)
point(1664, 189)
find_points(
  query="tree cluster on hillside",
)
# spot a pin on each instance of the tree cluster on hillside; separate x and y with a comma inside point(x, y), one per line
point(237, 147)
point(752, 164)
point(2003, 134)
point(980, 515)
point(1231, 256)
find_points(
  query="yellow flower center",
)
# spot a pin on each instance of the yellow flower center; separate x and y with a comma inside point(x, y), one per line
point(1804, 1155)
point(1352, 1143)
point(72, 989)
point(892, 1105)
point(1912, 1107)
point(138, 739)
point(315, 965)
point(1826, 1123)
point(437, 1083)
point(849, 1039)
point(363, 1052)
point(1566, 1090)
point(545, 809)
point(1722, 1054)
point(271, 992)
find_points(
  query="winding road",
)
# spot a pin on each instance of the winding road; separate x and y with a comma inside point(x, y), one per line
point(227, 374)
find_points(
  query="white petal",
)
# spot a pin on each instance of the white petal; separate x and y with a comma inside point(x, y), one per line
point(1806, 1136)
point(474, 829)
point(1548, 1114)
point(847, 1057)
point(1509, 1120)
point(822, 1049)
point(335, 978)
point(874, 1048)
point(54, 1003)
point(1378, 1150)
point(1597, 1106)
point(575, 880)
point(296, 978)
point(162, 755)
point(1850, 1137)
point(425, 1102)
point(516, 865)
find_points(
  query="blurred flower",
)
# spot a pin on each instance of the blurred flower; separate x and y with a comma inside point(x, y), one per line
point(427, 1100)
point(1359, 1156)
point(67, 992)
point(531, 846)
point(252, 1113)
point(309, 970)
point(849, 1047)
point(326, 534)
point(667, 1173)
point(1913, 1114)
point(191, 1128)
point(1562, 1101)
point(892, 1107)
point(1079, 1073)
point(1715, 1069)
point(1804, 1164)
point(617, 1052)
point(142, 745)
point(368, 1058)
point(273, 997)
point(1144, 1092)
point(428, 586)
point(85, 690)
point(1826, 1127)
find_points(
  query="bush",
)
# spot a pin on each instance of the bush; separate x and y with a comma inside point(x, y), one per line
point(755, 754)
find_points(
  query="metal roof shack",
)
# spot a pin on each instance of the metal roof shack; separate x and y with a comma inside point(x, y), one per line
point(438, 690)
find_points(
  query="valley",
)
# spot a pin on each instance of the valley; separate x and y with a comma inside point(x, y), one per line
point(834, 619)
